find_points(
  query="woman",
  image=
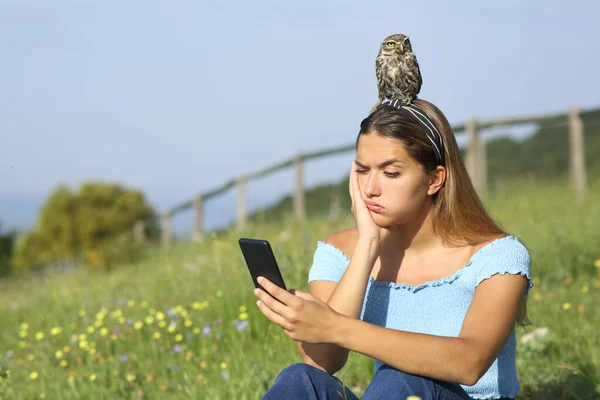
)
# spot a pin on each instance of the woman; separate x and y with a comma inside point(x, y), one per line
point(427, 284)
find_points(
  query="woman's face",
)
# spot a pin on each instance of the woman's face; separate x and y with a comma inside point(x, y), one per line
point(390, 178)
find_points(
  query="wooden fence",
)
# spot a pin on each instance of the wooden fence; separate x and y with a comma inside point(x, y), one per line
point(475, 161)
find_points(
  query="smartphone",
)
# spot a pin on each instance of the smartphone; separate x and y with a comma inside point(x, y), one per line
point(261, 261)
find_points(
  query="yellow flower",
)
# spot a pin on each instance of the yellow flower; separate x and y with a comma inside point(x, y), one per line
point(64, 363)
point(71, 379)
point(160, 316)
point(219, 293)
point(31, 357)
point(83, 345)
point(597, 263)
point(98, 323)
point(162, 323)
point(566, 306)
point(152, 311)
point(138, 325)
point(122, 320)
point(82, 337)
point(66, 349)
point(92, 377)
point(184, 313)
point(82, 313)
point(156, 335)
point(149, 320)
point(144, 304)
point(580, 308)
point(243, 316)
point(33, 376)
point(22, 345)
point(91, 329)
point(205, 304)
point(130, 377)
point(413, 398)
point(39, 336)
point(178, 337)
point(197, 306)
point(56, 330)
point(58, 353)
point(92, 351)
point(23, 334)
point(188, 323)
point(196, 331)
point(223, 365)
point(113, 337)
point(104, 331)
point(171, 328)
point(243, 309)
point(584, 289)
point(131, 303)
point(24, 326)
point(116, 314)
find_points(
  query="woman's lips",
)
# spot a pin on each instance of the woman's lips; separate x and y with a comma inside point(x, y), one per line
point(373, 206)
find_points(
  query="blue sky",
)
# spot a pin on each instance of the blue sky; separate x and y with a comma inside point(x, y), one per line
point(177, 97)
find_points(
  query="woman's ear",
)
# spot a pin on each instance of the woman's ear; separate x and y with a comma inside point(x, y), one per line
point(436, 180)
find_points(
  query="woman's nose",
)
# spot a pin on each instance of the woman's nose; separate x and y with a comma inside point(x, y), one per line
point(372, 187)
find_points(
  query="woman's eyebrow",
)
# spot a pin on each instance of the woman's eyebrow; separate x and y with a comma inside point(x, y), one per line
point(383, 164)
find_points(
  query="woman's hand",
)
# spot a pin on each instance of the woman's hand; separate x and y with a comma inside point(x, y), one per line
point(367, 228)
point(302, 316)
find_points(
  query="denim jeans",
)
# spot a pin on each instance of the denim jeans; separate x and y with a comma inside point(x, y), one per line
point(303, 381)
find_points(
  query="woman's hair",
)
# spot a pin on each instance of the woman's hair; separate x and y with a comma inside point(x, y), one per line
point(459, 216)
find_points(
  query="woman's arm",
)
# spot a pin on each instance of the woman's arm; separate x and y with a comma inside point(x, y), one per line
point(345, 297)
point(486, 328)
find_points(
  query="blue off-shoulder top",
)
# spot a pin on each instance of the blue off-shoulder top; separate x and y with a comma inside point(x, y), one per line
point(439, 307)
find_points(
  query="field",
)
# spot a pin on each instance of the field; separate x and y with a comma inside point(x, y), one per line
point(183, 323)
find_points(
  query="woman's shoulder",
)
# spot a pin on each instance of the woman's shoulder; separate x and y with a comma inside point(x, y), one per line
point(343, 240)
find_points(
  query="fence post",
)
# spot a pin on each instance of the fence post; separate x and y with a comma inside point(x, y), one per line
point(166, 229)
point(241, 203)
point(299, 203)
point(335, 207)
point(471, 156)
point(577, 155)
point(482, 168)
point(138, 231)
point(198, 214)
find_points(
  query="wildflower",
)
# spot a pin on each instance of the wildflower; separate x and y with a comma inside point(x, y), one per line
point(175, 367)
point(223, 365)
point(131, 303)
point(22, 345)
point(23, 334)
point(196, 330)
point(39, 336)
point(122, 302)
point(149, 320)
point(104, 331)
point(64, 363)
point(58, 353)
point(156, 335)
point(91, 329)
point(71, 379)
point(218, 321)
point(33, 376)
point(124, 358)
point(162, 324)
point(152, 311)
point(82, 337)
point(116, 314)
point(24, 326)
point(413, 398)
point(584, 289)
point(597, 263)
point(178, 337)
point(92, 351)
point(188, 355)
point(197, 306)
point(218, 293)
point(144, 304)
point(149, 378)
point(171, 313)
point(243, 309)
point(121, 320)
point(98, 323)
point(92, 377)
point(203, 364)
point(116, 331)
point(206, 330)
point(55, 331)
point(580, 308)
point(172, 327)
point(199, 377)
point(177, 348)
point(83, 345)
point(31, 357)
point(113, 337)
point(243, 316)
point(82, 313)
point(224, 375)
point(188, 323)
point(130, 377)
point(66, 349)
point(129, 322)
point(566, 306)
point(138, 325)
point(160, 316)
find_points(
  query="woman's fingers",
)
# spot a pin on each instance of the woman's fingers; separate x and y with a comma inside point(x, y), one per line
point(270, 314)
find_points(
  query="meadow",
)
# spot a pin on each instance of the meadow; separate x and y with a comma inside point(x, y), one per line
point(182, 323)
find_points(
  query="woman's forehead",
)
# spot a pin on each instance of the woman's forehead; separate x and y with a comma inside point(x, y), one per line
point(374, 147)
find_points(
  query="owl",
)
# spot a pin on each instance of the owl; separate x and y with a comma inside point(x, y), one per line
point(397, 70)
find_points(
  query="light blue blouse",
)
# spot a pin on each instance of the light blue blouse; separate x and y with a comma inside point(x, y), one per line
point(439, 307)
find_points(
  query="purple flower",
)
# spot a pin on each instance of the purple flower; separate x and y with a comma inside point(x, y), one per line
point(171, 313)
point(218, 321)
point(129, 321)
point(206, 330)
point(189, 335)
point(122, 302)
point(177, 348)
point(218, 336)
point(116, 331)
point(224, 375)
point(124, 358)
point(175, 367)
point(242, 325)
point(236, 321)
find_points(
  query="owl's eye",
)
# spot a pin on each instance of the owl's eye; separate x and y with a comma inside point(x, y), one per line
point(390, 44)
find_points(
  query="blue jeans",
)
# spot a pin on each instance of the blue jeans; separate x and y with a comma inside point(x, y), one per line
point(303, 381)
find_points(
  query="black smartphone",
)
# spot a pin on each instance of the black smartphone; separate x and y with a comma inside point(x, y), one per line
point(261, 261)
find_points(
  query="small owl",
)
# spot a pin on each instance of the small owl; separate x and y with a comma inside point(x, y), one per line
point(397, 70)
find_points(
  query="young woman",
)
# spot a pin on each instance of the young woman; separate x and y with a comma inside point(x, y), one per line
point(427, 284)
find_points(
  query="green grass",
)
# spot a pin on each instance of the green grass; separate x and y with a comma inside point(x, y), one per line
point(209, 280)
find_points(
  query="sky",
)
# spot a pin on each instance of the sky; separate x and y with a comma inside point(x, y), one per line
point(175, 98)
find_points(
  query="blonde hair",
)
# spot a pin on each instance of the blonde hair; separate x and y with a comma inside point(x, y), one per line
point(459, 216)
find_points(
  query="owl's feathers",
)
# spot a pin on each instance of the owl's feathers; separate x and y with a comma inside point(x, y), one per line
point(397, 70)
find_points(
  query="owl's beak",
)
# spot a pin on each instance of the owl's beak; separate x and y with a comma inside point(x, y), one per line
point(401, 47)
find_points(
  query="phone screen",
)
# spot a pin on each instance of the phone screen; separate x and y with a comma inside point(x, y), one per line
point(261, 261)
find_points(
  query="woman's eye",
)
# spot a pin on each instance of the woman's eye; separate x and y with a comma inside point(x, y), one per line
point(360, 171)
point(392, 174)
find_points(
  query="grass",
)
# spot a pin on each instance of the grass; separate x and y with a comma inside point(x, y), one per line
point(213, 343)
